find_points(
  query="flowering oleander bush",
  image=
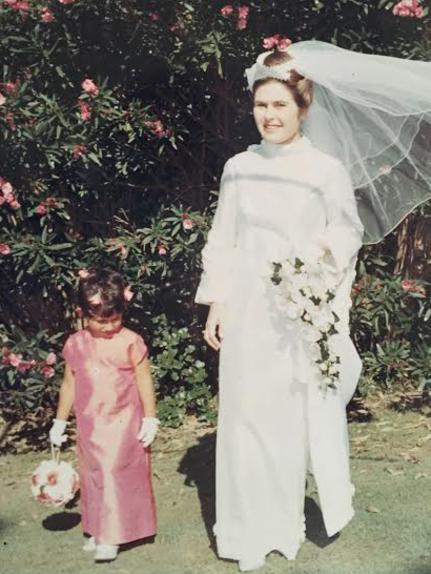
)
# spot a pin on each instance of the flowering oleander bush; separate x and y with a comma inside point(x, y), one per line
point(391, 326)
point(115, 121)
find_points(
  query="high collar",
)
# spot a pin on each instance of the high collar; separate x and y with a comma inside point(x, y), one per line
point(275, 150)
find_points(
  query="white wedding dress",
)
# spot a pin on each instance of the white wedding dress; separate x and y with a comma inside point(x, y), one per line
point(277, 200)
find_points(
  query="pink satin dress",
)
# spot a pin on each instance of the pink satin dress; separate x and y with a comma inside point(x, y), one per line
point(117, 501)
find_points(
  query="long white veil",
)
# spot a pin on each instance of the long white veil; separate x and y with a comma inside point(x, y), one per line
point(374, 114)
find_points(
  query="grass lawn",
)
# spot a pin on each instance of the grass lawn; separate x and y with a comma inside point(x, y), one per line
point(390, 533)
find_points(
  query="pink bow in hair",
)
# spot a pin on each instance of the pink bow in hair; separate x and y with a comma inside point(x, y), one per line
point(276, 41)
point(128, 293)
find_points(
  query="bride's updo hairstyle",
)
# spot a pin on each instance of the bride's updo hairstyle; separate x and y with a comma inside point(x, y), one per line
point(301, 88)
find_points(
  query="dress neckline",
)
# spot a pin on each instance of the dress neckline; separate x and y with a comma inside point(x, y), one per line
point(276, 150)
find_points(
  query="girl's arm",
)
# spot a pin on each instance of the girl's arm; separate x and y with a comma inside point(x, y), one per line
point(65, 403)
point(144, 382)
point(67, 394)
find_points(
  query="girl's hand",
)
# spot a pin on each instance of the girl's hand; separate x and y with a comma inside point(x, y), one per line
point(149, 428)
point(214, 326)
point(56, 433)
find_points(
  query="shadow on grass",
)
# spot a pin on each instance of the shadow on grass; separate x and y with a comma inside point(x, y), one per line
point(315, 527)
point(61, 521)
point(198, 466)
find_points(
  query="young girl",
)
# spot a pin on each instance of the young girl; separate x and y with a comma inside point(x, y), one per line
point(108, 381)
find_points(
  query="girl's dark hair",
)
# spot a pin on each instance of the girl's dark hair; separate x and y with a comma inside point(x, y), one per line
point(300, 87)
point(106, 288)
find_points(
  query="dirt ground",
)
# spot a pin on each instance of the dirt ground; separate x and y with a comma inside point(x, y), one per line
point(390, 533)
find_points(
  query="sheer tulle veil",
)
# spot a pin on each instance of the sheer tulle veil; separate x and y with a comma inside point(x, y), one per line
point(374, 114)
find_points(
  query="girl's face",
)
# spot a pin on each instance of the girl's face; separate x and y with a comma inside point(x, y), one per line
point(105, 327)
point(277, 116)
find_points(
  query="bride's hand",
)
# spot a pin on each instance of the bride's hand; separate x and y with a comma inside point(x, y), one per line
point(214, 326)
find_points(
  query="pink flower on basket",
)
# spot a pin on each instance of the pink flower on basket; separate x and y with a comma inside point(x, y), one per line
point(5, 249)
point(83, 273)
point(47, 15)
point(227, 10)
point(51, 359)
point(54, 483)
point(90, 87)
point(47, 371)
point(128, 294)
point(84, 110)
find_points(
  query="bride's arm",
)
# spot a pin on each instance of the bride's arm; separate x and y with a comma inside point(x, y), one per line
point(217, 256)
point(342, 238)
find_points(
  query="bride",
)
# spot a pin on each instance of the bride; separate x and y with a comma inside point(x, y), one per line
point(281, 198)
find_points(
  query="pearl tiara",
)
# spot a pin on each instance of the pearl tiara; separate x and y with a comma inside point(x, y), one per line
point(259, 71)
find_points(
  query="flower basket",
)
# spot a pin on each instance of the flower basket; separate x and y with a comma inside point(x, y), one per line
point(54, 482)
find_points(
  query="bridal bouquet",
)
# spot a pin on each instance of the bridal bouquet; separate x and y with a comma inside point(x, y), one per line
point(306, 293)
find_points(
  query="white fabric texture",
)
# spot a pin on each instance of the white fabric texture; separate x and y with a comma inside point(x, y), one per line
point(374, 114)
point(277, 200)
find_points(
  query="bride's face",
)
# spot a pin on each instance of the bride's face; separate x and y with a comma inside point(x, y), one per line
point(276, 113)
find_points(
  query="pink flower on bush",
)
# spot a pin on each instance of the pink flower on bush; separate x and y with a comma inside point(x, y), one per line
point(84, 110)
point(66, 1)
point(409, 8)
point(243, 12)
point(20, 5)
point(154, 16)
point(156, 127)
point(47, 15)
point(15, 204)
point(25, 366)
point(51, 202)
point(162, 249)
point(14, 359)
point(79, 150)
point(187, 222)
point(41, 209)
point(5, 249)
point(10, 121)
point(83, 273)
point(47, 371)
point(7, 190)
point(90, 87)
point(10, 87)
point(407, 284)
point(227, 10)
point(51, 359)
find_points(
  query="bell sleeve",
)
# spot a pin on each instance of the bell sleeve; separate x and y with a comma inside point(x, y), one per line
point(343, 234)
point(217, 255)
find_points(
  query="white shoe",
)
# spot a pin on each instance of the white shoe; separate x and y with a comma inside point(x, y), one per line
point(105, 552)
point(251, 564)
point(89, 545)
